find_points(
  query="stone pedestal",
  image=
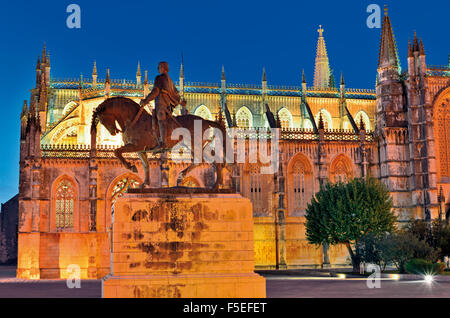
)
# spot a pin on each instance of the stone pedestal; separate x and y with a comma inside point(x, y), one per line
point(181, 245)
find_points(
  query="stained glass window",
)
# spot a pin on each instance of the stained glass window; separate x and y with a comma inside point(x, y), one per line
point(65, 202)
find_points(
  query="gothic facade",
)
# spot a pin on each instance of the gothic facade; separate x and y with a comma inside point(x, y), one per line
point(399, 133)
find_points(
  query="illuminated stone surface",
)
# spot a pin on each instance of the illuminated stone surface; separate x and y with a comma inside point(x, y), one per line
point(183, 246)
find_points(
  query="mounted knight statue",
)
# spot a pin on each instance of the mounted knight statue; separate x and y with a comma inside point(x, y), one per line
point(144, 133)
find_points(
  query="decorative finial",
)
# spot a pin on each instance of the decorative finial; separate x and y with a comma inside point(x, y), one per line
point(320, 30)
point(385, 10)
point(362, 126)
point(321, 124)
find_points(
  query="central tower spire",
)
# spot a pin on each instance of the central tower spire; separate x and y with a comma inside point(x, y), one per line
point(322, 68)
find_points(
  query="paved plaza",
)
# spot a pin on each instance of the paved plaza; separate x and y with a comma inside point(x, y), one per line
point(279, 285)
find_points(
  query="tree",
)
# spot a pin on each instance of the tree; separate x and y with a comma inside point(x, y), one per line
point(401, 247)
point(343, 213)
point(436, 234)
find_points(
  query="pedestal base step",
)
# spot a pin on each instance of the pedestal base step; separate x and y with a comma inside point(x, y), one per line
point(186, 286)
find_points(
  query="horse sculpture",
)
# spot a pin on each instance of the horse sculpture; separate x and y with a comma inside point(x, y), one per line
point(137, 133)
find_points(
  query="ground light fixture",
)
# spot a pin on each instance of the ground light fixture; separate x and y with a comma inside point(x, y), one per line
point(341, 276)
point(428, 278)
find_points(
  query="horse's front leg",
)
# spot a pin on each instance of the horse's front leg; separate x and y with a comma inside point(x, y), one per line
point(126, 149)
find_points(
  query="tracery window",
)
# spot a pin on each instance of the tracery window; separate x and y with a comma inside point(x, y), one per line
point(190, 182)
point(122, 187)
point(443, 138)
point(203, 112)
point(65, 204)
point(285, 118)
point(300, 185)
point(244, 119)
point(255, 191)
point(298, 178)
point(341, 169)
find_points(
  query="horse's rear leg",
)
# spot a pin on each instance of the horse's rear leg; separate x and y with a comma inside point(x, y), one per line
point(126, 149)
point(219, 178)
point(144, 159)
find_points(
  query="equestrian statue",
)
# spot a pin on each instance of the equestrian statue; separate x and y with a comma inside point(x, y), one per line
point(144, 133)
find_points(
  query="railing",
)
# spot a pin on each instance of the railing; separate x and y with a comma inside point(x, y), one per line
point(77, 151)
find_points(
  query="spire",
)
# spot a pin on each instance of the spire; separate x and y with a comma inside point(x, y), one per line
point(38, 64)
point(44, 54)
point(182, 66)
point(94, 71)
point(146, 77)
point(416, 43)
point(108, 79)
point(264, 78)
point(223, 73)
point(138, 73)
point(410, 51)
point(388, 55)
point(322, 67)
point(303, 76)
point(342, 79)
point(421, 48)
point(24, 109)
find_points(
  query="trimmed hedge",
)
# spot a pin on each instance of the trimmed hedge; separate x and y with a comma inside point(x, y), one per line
point(420, 267)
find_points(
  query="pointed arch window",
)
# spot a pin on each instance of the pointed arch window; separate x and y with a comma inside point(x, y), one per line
point(122, 187)
point(255, 190)
point(244, 118)
point(442, 126)
point(326, 117)
point(285, 118)
point(203, 112)
point(65, 204)
point(300, 185)
point(298, 178)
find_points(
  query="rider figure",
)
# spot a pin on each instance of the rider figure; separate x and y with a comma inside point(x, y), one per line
point(166, 98)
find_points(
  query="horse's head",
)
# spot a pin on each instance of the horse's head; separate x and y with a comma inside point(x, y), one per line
point(109, 121)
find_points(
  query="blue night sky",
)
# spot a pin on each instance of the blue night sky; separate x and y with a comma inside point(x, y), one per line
point(245, 36)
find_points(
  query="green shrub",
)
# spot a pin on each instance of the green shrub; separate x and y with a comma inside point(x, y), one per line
point(421, 266)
